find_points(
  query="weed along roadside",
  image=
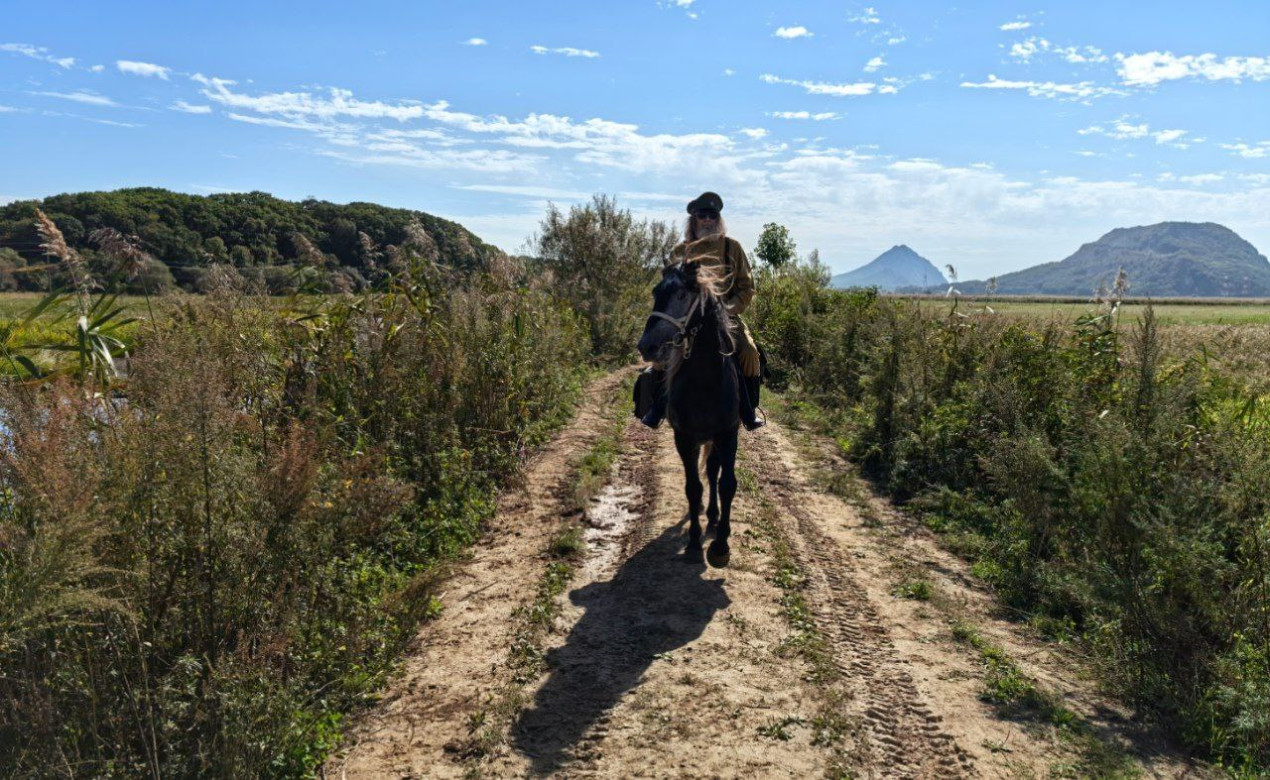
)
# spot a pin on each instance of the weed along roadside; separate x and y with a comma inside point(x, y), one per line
point(1090, 470)
point(205, 584)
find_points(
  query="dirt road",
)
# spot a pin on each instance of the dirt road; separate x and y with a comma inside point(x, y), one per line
point(840, 642)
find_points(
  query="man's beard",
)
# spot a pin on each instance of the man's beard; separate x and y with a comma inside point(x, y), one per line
point(706, 232)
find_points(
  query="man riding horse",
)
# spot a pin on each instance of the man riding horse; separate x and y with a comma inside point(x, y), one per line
point(706, 242)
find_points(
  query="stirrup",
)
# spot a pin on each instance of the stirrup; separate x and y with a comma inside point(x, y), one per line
point(758, 423)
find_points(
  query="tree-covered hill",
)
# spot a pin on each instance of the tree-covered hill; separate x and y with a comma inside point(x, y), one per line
point(263, 236)
point(1183, 259)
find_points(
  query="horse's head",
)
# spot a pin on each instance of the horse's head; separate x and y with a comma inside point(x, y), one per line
point(677, 307)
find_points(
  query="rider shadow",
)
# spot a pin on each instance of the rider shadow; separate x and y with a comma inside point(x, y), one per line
point(654, 604)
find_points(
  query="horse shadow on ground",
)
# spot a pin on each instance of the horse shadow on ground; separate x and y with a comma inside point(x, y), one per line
point(655, 603)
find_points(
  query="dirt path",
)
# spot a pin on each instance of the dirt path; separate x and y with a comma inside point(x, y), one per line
point(804, 658)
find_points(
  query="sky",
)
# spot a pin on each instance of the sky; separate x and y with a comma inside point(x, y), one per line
point(991, 136)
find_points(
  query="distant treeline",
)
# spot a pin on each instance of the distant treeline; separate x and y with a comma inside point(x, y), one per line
point(275, 242)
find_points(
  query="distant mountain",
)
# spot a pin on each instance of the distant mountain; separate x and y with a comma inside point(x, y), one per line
point(897, 267)
point(1184, 259)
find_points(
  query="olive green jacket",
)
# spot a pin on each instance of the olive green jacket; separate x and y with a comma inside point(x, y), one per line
point(709, 251)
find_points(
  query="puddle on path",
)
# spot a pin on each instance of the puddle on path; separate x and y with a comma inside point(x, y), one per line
point(610, 517)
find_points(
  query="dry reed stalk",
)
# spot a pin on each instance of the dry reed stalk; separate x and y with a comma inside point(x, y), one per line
point(54, 243)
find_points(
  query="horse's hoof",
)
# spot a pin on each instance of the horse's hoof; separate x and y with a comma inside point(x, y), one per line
point(718, 555)
point(692, 554)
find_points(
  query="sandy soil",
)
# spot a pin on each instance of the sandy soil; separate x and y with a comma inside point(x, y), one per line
point(660, 667)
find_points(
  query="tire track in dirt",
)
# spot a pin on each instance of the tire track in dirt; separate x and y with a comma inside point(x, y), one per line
point(905, 738)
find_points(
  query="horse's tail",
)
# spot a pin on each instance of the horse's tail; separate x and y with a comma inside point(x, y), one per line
point(706, 449)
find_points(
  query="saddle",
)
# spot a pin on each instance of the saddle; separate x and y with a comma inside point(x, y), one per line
point(648, 384)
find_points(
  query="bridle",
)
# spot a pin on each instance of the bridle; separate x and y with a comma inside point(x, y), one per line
point(686, 335)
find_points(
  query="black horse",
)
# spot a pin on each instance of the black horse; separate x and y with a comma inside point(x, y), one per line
point(690, 332)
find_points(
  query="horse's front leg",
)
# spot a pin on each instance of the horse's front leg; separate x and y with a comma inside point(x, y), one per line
point(688, 453)
point(712, 479)
point(725, 447)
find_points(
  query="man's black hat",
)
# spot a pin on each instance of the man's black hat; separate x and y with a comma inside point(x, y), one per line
point(706, 200)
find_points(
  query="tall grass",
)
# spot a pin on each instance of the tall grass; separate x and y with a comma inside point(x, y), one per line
point(1109, 482)
point(204, 566)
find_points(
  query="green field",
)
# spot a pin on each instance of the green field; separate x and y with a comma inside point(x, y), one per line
point(15, 305)
point(1167, 312)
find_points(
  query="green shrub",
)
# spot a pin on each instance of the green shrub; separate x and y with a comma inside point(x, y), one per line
point(1100, 481)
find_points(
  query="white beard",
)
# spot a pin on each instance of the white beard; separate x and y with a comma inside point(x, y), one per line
point(707, 232)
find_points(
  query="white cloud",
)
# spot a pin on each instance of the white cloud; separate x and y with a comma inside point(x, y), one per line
point(1025, 50)
point(874, 64)
point(1202, 178)
point(97, 68)
point(1249, 151)
point(1170, 138)
point(567, 51)
point(37, 53)
point(1124, 129)
point(145, 69)
point(793, 32)
point(895, 40)
point(80, 96)
point(527, 191)
point(823, 88)
point(820, 117)
point(1012, 26)
point(729, 72)
point(187, 108)
point(336, 103)
point(1084, 90)
point(475, 42)
point(1077, 55)
point(754, 132)
point(867, 16)
point(1152, 68)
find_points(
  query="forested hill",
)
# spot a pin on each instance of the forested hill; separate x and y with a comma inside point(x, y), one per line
point(261, 235)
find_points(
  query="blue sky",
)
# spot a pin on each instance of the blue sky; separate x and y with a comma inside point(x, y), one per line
point(992, 135)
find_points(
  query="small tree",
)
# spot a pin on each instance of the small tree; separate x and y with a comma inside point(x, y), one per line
point(775, 247)
point(604, 262)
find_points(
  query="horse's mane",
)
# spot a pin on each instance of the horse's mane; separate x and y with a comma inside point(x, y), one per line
point(714, 282)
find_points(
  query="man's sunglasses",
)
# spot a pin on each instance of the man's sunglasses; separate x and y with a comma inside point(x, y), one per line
point(707, 214)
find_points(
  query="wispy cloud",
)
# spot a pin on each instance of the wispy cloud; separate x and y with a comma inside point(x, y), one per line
point(187, 108)
point(567, 51)
point(527, 191)
point(1126, 129)
point(824, 88)
point(819, 117)
point(1152, 68)
point(793, 32)
point(80, 96)
point(475, 42)
point(1012, 26)
point(37, 53)
point(867, 16)
point(753, 132)
point(874, 64)
point(1083, 90)
point(895, 39)
point(1249, 151)
point(144, 69)
point(1077, 55)
point(335, 103)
